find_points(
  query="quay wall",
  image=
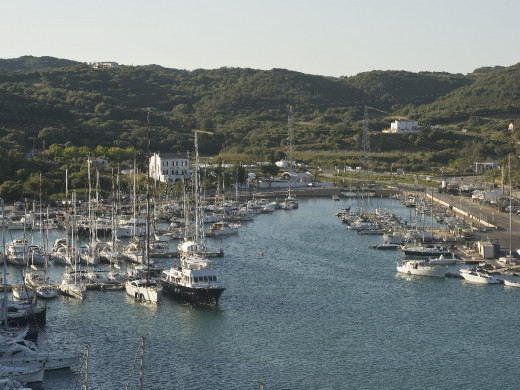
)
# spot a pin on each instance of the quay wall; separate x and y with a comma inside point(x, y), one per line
point(460, 212)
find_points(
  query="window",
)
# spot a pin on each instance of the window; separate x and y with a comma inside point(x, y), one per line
point(205, 278)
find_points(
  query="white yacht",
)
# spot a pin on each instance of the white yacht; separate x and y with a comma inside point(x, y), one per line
point(17, 251)
point(193, 279)
point(442, 260)
point(478, 275)
point(222, 228)
point(422, 268)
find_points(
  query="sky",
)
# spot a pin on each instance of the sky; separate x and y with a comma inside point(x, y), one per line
point(321, 37)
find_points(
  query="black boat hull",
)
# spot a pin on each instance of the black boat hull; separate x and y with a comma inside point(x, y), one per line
point(206, 296)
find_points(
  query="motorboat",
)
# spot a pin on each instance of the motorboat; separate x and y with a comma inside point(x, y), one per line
point(385, 246)
point(442, 260)
point(17, 251)
point(479, 275)
point(426, 251)
point(193, 279)
point(223, 228)
point(421, 268)
point(511, 283)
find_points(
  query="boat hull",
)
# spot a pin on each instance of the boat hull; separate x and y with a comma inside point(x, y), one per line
point(479, 278)
point(206, 296)
point(142, 292)
point(511, 283)
point(34, 315)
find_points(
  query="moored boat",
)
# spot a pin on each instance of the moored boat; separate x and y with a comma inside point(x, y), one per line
point(143, 290)
point(479, 275)
point(511, 283)
point(421, 268)
point(26, 373)
point(426, 251)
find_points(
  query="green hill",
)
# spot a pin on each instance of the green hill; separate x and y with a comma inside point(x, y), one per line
point(46, 101)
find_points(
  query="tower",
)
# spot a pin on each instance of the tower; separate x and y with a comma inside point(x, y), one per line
point(290, 140)
point(365, 141)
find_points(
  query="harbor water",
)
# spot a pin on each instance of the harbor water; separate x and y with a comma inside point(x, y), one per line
point(308, 305)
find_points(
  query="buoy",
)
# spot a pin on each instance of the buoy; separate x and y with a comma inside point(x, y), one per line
point(262, 253)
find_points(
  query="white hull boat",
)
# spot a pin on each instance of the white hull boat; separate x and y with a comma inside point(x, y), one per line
point(46, 291)
point(421, 268)
point(442, 260)
point(223, 228)
point(25, 353)
point(23, 373)
point(143, 290)
point(70, 289)
point(478, 275)
point(511, 283)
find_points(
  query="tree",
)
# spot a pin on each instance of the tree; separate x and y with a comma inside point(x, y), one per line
point(11, 190)
point(269, 170)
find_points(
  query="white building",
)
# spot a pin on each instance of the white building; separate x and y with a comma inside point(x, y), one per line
point(105, 65)
point(403, 126)
point(170, 167)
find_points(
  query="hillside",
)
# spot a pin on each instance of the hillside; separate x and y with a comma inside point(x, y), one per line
point(53, 103)
point(32, 64)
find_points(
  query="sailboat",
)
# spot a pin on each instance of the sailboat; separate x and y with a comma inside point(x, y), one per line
point(193, 279)
point(38, 281)
point(71, 284)
point(18, 313)
point(145, 289)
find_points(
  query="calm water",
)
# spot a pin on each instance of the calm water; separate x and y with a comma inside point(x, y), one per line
point(308, 306)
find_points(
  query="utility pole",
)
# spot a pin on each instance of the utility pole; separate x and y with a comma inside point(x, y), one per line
point(290, 139)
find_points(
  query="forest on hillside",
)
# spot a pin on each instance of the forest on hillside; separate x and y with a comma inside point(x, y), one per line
point(69, 109)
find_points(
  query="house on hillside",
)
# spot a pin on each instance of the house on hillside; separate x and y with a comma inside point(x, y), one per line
point(172, 167)
point(105, 65)
point(481, 167)
point(401, 126)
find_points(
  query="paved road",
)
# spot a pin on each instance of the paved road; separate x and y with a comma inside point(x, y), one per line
point(488, 214)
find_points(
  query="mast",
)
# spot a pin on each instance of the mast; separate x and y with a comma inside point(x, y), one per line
point(4, 271)
point(196, 191)
point(46, 253)
point(74, 254)
point(510, 206)
point(147, 223)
